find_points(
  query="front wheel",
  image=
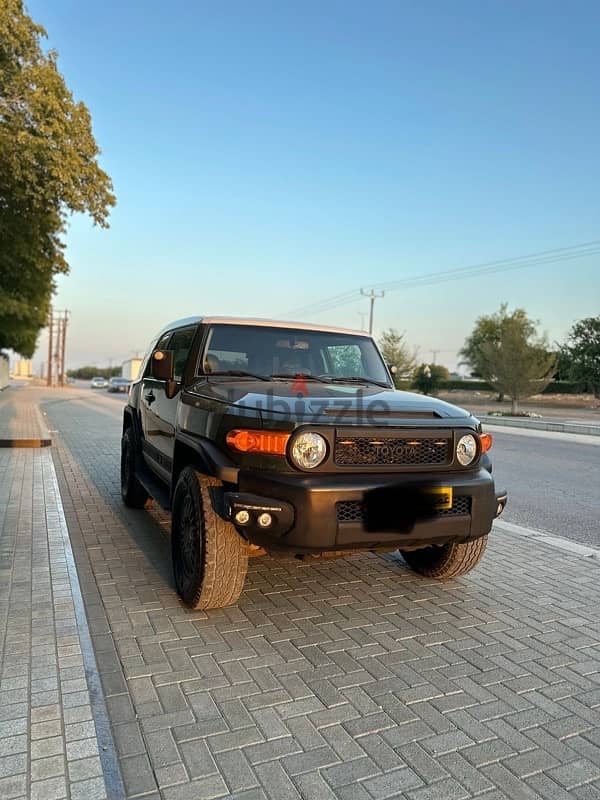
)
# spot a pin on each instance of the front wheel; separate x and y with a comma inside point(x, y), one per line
point(448, 560)
point(210, 558)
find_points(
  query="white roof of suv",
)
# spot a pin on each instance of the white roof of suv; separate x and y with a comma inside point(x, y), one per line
point(267, 323)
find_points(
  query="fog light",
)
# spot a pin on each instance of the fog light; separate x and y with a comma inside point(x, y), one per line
point(242, 517)
point(265, 520)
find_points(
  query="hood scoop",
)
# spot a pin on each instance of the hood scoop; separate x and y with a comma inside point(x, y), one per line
point(352, 412)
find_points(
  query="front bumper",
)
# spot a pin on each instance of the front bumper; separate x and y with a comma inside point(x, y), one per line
point(313, 513)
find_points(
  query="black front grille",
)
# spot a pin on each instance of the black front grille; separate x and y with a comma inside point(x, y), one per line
point(460, 505)
point(353, 451)
point(350, 511)
point(354, 510)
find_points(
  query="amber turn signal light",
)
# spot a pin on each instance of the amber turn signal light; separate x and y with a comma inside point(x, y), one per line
point(486, 441)
point(272, 443)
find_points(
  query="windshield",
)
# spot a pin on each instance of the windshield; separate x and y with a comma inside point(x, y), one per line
point(288, 352)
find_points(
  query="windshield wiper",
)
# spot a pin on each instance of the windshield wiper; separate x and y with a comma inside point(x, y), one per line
point(359, 379)
point(300, 376)
point(237, 373)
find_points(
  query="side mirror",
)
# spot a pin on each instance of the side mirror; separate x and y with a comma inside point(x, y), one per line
point(162, 365)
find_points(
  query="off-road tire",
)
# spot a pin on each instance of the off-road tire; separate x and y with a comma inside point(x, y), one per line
point(447, 561)
point(210, 558)
point(133, 493)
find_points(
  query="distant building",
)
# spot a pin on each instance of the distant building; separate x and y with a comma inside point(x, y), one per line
point(4, 371)
point(130, 368)
point(23, 368)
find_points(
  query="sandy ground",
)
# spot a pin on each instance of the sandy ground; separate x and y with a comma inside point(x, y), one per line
point(566, 406)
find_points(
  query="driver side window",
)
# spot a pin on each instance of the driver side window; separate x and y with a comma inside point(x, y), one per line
point(162, 344)
point(181, 344)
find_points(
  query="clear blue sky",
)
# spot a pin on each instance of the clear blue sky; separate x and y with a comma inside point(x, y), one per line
point(268, 154)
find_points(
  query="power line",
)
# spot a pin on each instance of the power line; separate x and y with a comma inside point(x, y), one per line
point(543, 256)
point(553, 256)
point(449, 275)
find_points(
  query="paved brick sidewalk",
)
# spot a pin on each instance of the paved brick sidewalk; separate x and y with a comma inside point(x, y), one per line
point(350, 679)
point(48, 741)
point(21, 423)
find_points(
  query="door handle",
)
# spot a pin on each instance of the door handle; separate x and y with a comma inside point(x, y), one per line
point(149, 397)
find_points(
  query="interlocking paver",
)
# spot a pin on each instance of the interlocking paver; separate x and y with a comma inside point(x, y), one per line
point(47, 767)
point(137, 775)
point(276, 781)
point(334, 679)
point(235, 770)
point(13, 786)
point(91, 789)
point(392, 783)
point(575, 773)
point(449, 789)
point(37, 618)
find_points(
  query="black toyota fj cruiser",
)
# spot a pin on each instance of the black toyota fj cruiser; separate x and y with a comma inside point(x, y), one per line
point(291, 437)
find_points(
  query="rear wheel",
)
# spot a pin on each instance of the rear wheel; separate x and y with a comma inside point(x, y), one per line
point(448, 560)
point(210, 558)
point(133, 493)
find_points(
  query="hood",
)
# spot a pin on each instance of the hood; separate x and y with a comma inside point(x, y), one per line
point(328, 403)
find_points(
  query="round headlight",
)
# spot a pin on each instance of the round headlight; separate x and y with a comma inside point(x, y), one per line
point(308, 450)
point(466, 449)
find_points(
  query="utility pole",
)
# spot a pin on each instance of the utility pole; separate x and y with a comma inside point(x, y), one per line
point(63, 343)
point(57, 343)
point(372, 295)
point(50, 327)
point(434, 352)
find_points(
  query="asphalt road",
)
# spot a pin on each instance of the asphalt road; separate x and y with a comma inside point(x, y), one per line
point(553, 480)
point(553, 483)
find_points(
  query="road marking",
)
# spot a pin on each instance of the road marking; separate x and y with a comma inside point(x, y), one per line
point(558, 436)
point(547, 538)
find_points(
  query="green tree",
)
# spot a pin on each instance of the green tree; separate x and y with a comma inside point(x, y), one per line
point(562, 370)
point(582, 354)
point(488, 328)
point(48, 170)
point(428, 378)
point(517, 363)
point(396, 353)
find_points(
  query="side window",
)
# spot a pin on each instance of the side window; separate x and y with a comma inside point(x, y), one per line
point(180, 344)
point(161, 344)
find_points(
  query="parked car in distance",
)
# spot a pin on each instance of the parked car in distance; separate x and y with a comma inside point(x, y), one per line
point(98, 383)
point(119, 385)
point(264, 435)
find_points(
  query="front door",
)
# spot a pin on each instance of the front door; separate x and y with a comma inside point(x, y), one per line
point(159, 412)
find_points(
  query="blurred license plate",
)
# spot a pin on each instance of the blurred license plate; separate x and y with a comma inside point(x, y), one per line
point(441, 496)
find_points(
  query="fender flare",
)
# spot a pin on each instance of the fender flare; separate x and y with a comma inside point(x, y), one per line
point(207, 457)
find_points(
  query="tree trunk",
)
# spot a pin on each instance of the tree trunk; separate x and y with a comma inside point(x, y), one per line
point(514, 405)
point(500, 397)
